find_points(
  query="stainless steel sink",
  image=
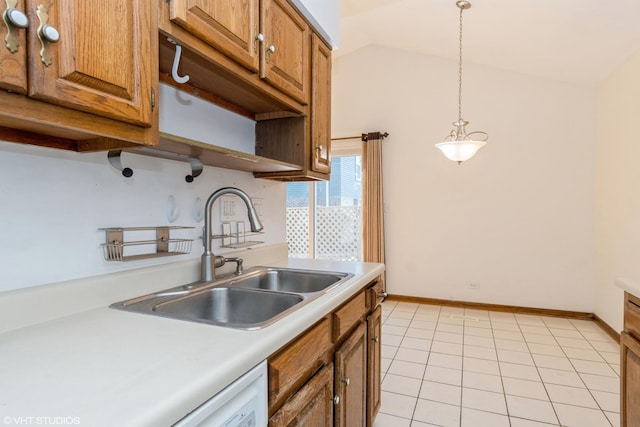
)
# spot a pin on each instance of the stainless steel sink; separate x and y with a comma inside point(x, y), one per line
point(234, 307)
point(255, 299)
point(289, 280)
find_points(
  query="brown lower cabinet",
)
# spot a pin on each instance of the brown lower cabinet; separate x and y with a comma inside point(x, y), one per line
point(311, 406)
point(630, 363)
point(330, 374)
point(351, 380)
point(630, 379)
point(374, 358)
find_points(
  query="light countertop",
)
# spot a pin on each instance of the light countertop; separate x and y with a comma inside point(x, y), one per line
point(106, 367)
point(628, 285)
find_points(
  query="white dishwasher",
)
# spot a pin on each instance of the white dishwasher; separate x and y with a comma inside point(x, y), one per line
point(243, 403)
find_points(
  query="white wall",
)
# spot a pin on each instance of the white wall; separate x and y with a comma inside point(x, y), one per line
point(518, 218)
point(618, 188)
point(53, 201)
point(325, 17)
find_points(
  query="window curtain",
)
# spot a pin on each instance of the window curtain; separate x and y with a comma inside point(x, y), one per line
point(372, 201)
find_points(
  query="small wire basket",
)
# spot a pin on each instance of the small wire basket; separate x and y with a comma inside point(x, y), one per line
point(116, 249)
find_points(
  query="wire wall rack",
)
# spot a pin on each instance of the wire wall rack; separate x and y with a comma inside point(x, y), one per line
point(119, 248)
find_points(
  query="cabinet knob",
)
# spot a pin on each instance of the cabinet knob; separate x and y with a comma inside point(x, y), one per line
point(336, 400)
point(271, 48)
point(16, 17)
point(346, 381)
point(49, 33)
point(383, 295)
point(15, 20)
point(375, 339)
point(260, 37)
point(319, 147)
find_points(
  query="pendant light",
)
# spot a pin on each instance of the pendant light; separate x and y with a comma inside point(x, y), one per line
point(460, 145)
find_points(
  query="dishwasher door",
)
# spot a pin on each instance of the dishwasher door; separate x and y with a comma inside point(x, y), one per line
point(242, 404)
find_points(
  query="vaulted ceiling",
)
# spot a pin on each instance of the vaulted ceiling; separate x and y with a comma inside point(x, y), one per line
point(569, 40)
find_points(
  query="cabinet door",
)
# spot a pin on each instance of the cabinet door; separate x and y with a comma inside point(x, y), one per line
point(230, 26)
point(311, 406)
point(374, 371)
point(630, 380)
point(320, 106)
point(285, 62)
point(13, 54)
point(106, 59)
point(351, 380)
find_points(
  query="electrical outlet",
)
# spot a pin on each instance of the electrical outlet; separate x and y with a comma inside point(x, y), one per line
point(473, 286)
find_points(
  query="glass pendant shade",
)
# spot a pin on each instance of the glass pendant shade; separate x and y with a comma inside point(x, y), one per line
point(460, 151)
point(459, 145)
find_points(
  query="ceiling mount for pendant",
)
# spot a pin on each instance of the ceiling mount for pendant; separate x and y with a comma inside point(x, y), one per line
point(459, 145)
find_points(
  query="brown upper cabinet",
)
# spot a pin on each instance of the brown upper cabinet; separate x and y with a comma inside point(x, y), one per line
point(228, 25)
point(268, 37)
point(320, 106)
point(285, 62)
point(85, 58)
point(303, 141)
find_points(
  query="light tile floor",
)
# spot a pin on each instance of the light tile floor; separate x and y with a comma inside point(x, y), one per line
point(445, 366)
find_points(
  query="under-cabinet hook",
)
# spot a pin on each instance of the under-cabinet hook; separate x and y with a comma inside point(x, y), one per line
point(116, 163)
point(196, 169)
point(176, 63)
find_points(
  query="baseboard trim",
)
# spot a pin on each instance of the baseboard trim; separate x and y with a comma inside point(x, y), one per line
point(495, 307)
point(606, 328)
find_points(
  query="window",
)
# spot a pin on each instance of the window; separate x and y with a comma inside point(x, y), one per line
point(324, 219)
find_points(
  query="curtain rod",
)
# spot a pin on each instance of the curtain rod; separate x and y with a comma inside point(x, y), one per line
point(363, 137)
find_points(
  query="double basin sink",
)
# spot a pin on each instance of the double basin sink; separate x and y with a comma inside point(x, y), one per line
point(253, 300)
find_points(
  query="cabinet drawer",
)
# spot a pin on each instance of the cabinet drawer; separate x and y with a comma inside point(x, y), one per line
point(632, 315)
point(375, 295)
point(298, 361)
point(348, 315)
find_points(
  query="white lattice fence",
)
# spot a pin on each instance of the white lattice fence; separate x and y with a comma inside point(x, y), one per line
point(298, 232)
point(338, 233)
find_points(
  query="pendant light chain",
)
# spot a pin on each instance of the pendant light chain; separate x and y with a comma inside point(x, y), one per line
point(460, 69)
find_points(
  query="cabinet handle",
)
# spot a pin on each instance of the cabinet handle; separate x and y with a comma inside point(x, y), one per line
point(375, 339)
point(346, 381)
point(259, 39)
point(47, 34)
point(383, 295)
point(15, 20)
point(336, 400)
point(271, 49)
point(319, 147)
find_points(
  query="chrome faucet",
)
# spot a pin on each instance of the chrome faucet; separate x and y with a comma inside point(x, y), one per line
point(210, 261)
